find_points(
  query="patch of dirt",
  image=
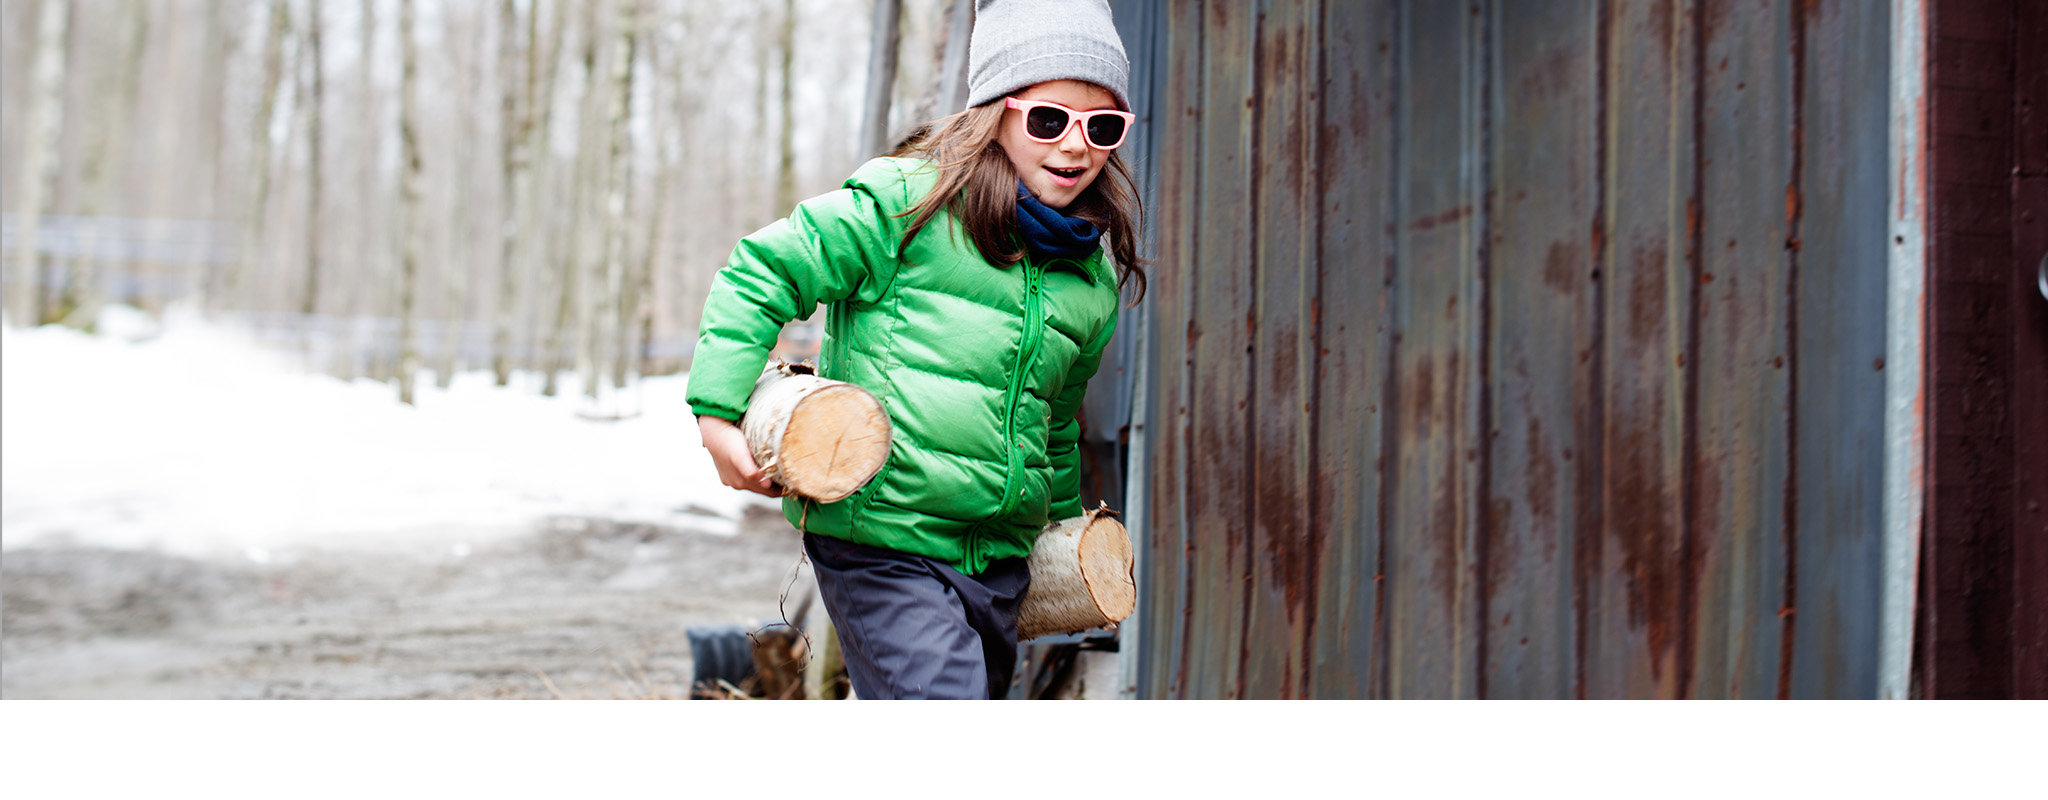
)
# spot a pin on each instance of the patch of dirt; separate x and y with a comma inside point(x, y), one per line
point(576, 608)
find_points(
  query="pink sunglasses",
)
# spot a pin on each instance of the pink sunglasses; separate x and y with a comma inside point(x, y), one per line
point(1046, 123)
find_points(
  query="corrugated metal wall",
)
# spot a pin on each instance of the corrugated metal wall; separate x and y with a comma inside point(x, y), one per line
point(1525, 348)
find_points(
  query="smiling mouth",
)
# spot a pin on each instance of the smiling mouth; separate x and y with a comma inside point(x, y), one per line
point(1068, 173)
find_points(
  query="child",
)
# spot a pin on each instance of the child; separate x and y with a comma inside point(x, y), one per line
point(968, 290)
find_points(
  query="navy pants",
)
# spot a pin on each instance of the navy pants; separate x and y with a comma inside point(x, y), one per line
point(911, 627)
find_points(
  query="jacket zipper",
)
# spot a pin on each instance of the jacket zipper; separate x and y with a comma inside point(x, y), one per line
point(1034, 324)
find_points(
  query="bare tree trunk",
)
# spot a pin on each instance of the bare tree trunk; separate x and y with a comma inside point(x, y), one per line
point(462, 260)
point(593, 294)
point(742, 162)
point(513, 122)
point(174, 156)
point(106, 159)
point(409, 203)
point(618, 202)
point(366, 297)
point(572, 271)
point(756, 166)
point(874, 124)
point(316, 191)
point(785, 184)
point(220, 43)
point(959, 26)
point(638, 312)
point(539, 238)
point(240, 277)
point(39, 162)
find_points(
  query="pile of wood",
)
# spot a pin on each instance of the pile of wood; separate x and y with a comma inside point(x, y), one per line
point(790, 660)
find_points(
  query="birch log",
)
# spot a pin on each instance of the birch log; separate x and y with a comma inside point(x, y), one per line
point(1081, 577)
point(818, 438)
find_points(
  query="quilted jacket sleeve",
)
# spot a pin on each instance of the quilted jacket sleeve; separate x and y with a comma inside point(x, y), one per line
point(830, 248)
point(1063, 442)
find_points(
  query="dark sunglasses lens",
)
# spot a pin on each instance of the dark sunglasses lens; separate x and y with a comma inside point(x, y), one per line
point(1045, 123)
point(1105, 129)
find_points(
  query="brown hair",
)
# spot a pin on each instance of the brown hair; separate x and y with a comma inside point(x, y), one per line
point(978, 185)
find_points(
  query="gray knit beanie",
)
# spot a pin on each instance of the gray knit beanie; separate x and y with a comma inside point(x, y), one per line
point(1017, 43)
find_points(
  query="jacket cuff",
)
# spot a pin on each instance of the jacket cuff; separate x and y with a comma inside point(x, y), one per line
point(721, 413)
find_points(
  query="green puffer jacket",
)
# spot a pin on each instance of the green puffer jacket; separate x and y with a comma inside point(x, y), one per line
point(980, 367)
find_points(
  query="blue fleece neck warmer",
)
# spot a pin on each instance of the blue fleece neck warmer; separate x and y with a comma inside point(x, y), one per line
point(1050, 234)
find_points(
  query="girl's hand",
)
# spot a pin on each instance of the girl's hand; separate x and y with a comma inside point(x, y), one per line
point(736, 467)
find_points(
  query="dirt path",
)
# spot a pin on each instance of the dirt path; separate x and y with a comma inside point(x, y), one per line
point(576, 608)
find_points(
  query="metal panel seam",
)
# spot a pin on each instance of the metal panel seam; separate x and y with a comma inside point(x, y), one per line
point(1250, 136)
point(1133, 657)
point(1905, 348)
point(1789, 614)
point(1390, 450)
point(1587, 536)
point(1317, 533)
point(1188, 383)
point(1486, 58)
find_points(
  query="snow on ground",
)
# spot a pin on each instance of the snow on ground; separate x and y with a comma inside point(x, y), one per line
point(183, 437)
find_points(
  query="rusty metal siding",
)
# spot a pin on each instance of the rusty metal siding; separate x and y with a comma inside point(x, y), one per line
point(1515, 349)
point(1746, 258)
point(1168, 550)
point(1281, 324)
point(1430, 608)
point(1633, 569)
point(1842, 348)
point(1355, 97)
point(1545, 166)
point(1221, 457)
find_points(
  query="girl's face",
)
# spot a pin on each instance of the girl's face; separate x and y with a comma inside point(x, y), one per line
point(1049, 169)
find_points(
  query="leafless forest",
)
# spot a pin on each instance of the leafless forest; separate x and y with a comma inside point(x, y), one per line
point(535, 187)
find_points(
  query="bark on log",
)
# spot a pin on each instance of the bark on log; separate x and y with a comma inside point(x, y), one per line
point(818, 438)
point(1081, 577)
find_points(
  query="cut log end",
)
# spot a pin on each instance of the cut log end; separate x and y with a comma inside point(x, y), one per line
point(1081, 577)
point(838, 438)
point(818, 438)
point(1106, 566)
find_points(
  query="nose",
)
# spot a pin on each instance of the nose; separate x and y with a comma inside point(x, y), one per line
point(1075, 142)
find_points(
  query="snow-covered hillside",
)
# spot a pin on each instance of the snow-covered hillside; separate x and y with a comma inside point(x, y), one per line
point(184, 437)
